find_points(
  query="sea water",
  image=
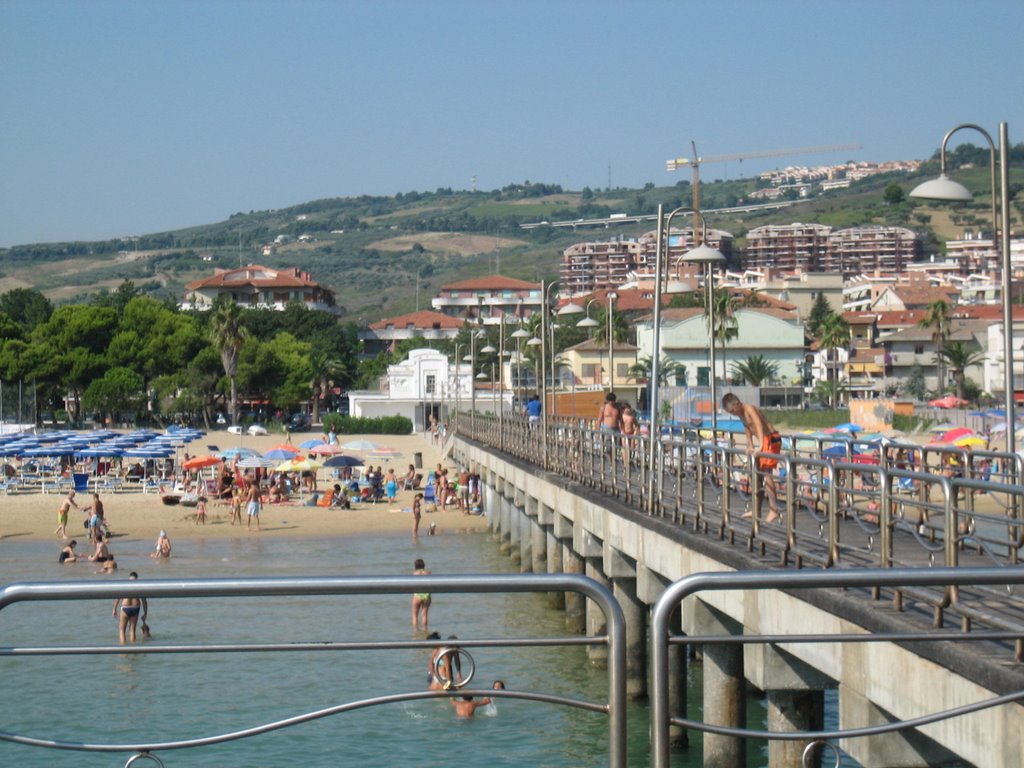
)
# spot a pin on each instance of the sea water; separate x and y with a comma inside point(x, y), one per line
point(140, 698)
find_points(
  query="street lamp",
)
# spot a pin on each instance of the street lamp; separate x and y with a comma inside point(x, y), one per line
point(700, 255)
point(612, 296)
point(519, 334)
point(944, 188)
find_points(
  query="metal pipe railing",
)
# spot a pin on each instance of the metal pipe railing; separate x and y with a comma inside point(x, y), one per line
point(614, 637)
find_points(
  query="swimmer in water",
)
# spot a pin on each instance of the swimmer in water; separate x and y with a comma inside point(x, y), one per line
point(126, 611)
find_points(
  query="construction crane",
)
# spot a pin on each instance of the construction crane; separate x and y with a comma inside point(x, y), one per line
point(696, 161)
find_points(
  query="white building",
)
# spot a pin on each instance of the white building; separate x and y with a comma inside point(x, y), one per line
point(424, 383)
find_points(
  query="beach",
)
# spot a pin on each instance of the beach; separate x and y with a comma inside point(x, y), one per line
point(33, 516)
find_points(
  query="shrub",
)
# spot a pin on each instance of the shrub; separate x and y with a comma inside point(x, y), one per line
point(383, 425)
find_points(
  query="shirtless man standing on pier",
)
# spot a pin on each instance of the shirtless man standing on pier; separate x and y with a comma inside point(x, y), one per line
point(763, 437)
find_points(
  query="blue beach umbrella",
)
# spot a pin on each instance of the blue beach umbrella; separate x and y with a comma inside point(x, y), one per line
point(307, 444)
point(279, 455)
point(240, 452)
point(849, 427)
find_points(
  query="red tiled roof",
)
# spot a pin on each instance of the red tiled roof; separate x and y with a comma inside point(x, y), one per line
point(290, 278)
point(422, 319)
point(491, 283)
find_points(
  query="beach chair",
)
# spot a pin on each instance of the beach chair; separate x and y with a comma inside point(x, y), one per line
point(428, 493)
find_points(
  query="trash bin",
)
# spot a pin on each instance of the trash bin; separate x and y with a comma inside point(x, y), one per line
point(417, 460)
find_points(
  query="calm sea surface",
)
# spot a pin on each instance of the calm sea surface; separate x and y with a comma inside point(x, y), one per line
point(113, 699)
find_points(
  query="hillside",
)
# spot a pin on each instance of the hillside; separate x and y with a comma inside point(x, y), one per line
point(370, 250)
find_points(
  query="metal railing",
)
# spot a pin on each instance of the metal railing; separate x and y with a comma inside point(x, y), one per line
point(897, 506)
point(662, 637)
point(614, 638)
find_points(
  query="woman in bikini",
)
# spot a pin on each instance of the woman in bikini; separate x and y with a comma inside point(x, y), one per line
point(126, 611)
point(420, 600)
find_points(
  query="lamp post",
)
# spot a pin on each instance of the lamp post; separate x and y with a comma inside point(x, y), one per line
point(612, 296)
point(517, 383)
point(471, 359)
point(944, 188)
point(700, 255)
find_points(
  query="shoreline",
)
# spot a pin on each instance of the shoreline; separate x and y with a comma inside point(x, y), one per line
point(133, 515)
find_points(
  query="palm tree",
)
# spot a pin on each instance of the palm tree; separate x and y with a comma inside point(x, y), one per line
point(959, 357)
point(668, 370)
point(755, 370)
point(324, 370)
point(938, 319)
point(835, 333)
point(726, 325)
point(228, 334)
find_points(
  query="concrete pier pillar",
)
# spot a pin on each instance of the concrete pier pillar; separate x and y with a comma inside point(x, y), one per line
point(790, 711)
point(554, 564)
point(538, 548)
point(635, 613)
point(575, 603)
point(795, 694)
point(596, 624)
point(492, 506)
point(677, 680)
point(517, 518)
point(724, 685)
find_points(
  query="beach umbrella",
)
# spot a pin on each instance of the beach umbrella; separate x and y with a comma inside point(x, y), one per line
point(325, 449)
point(359, 445)
point(257, 462)
point(953, 435)
point(972, 441)
point(944, 427)
point(238, 452)
point(286, 447)
point(949, 401)
point(276, 454)
point(848, 427)
point(101, 452)
point(343, 461)
point(299, 465)
point(834, 452)
point(307, 444)
point(198, 462)
point(384, 452)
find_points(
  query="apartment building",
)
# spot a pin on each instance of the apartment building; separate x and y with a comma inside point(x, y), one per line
point(605, 265)
point(866, 249)
point(487, 299)
point(789, 247)
point(257, 287)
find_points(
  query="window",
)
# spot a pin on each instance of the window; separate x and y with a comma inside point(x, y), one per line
point(919, 349)
point(431, 384)
point(590, 370)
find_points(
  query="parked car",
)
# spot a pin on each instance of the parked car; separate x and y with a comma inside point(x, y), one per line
point(234, 429)
point(257, 429)
point(299, 422)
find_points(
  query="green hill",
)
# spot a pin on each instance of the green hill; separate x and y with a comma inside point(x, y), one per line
point(370, 250)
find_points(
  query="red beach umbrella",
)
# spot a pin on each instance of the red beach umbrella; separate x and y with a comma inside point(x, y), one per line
point(198, 462)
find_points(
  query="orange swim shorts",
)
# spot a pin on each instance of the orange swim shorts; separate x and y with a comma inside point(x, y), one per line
point(771, 443)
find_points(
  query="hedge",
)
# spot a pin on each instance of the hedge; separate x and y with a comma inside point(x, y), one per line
point(384, 425)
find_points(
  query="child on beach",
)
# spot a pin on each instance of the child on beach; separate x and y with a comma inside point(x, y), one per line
point(201, 511)
point(162, 547)
point(236, 507)
point(417, 513)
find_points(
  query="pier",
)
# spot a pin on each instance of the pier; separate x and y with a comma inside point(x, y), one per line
point(901, 648)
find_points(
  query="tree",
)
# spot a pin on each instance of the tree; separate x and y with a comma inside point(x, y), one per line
point(893, 194)
point(120, 390)
point(323, 370)
point(959, 357)
point(755, 370)
point(228, 335)
point(27, 307)
point(915, 385)
point(669, 372)
point(835, 333)
point(726, 325)
point(938, 319)
point(819, 311)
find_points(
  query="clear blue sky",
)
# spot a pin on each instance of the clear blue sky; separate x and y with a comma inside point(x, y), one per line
point(126, 118)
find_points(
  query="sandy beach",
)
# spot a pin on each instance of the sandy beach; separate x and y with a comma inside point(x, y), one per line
point(132, 514)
